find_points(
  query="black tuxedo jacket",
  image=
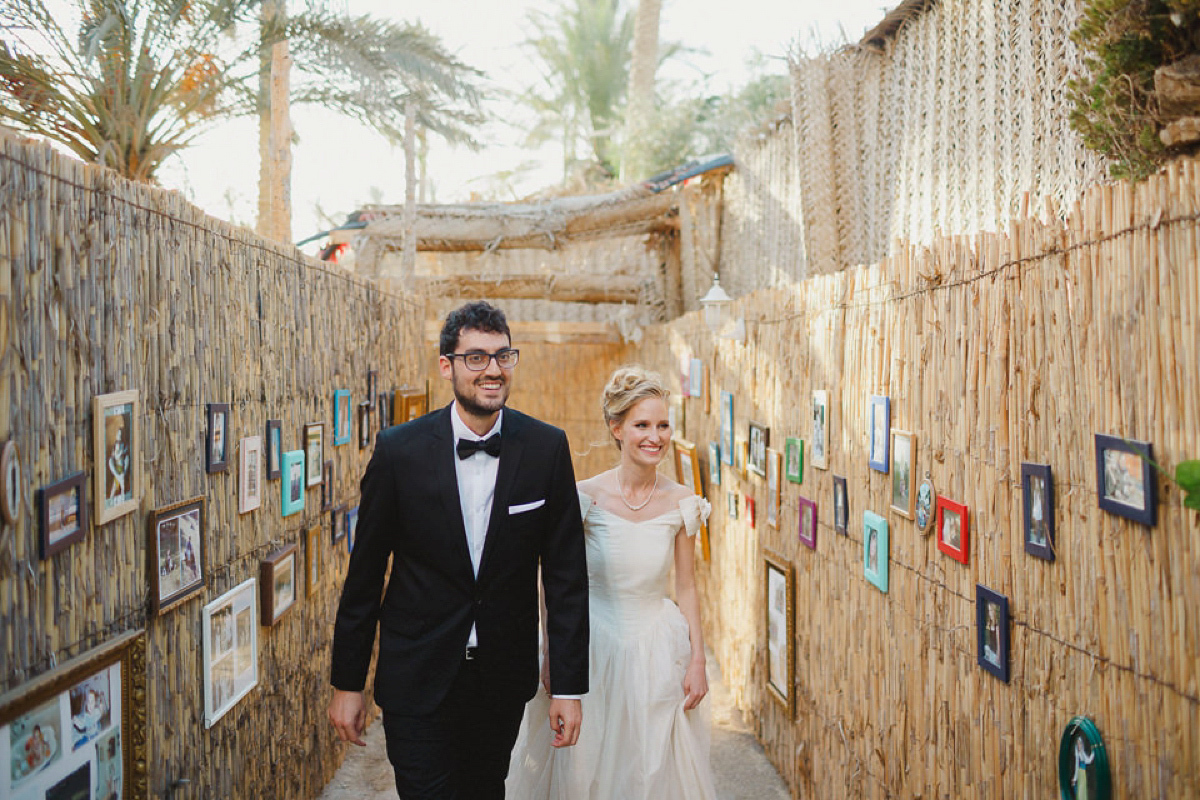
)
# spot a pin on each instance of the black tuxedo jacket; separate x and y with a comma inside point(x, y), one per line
point(410, 513)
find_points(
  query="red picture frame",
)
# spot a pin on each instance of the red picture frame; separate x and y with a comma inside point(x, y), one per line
point(957, 546)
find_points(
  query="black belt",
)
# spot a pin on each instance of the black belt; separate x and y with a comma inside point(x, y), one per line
point(472, 653)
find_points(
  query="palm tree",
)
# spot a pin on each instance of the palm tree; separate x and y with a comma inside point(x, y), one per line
point(640, 111)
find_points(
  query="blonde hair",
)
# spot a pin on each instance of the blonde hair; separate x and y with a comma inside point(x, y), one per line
point(627, 387)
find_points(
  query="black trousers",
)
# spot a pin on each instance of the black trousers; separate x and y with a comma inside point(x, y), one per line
point(461, 750)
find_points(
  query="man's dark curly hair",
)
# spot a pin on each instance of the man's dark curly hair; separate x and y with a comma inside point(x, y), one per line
point(478, 316)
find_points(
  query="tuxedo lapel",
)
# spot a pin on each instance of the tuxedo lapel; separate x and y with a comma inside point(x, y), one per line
point(510, 460)
point(442, 456)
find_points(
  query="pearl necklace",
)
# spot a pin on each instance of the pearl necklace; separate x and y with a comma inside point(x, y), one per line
point(642, 504)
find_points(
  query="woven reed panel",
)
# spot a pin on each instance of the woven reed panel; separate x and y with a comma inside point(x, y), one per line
point(107, 285)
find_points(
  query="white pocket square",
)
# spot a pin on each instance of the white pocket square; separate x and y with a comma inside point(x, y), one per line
point(523, 507)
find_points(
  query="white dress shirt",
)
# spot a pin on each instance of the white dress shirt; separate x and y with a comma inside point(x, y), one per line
point(476, 490)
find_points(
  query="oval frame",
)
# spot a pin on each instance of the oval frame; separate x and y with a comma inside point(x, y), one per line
point(1082, 726)
point(923, 505)
point(10, 483)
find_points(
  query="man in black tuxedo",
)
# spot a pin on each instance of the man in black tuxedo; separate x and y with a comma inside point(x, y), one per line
point(466, 517)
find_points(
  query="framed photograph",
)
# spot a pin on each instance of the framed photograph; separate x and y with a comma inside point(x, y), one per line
point(779, 591)
point(116, 443)
point(312, 561)
point(1083, 772)
point(327, 485)
point(62, 514)
point(808, 523)
point(409, 404)
point(277, 579)
point(714, 464)
point(841, 506)
point(77, 731)
point(384, 408)
point(879, 418)
point(732, 501)
point(10, 475)
point(364, 425)
point(794, 458)
point(351, 528)
point(875, 550)
point(677, 415)
point(337, 524)
point(1125, 478)
point(750, 510)
point(1037, 494)
point(274, 450)
point(176, 554)
point(314, 452)
point(696, 378)
point(760, 440)
point(250, 474)
point(904, 454)
point(820, 429)
point(991, 631)
point(230, 642)
point(953, 531)
point(727, 427)
point(217, 447)
point(923, 509)
point(774, 488)
point(341, 417)
point(292, 484)
point(743, 457)
point(687, 467)
point(372, 386)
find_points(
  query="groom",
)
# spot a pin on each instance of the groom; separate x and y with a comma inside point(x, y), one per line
point(465, 502)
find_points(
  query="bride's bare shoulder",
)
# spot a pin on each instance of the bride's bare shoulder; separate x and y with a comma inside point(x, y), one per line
point(597, 485)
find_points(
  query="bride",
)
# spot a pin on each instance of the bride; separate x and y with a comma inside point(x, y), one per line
point(645, 734)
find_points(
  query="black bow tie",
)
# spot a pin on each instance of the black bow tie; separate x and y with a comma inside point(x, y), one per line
point(468, 447)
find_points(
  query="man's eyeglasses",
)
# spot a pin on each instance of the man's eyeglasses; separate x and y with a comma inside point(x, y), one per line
point(477, 362)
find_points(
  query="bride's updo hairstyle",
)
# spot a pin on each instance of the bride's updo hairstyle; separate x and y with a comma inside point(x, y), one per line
point(627, 387)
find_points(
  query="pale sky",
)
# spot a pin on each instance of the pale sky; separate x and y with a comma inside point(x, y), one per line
point(339, 165)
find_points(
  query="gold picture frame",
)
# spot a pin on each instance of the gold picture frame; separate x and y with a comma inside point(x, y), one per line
point(687, 471)
point(116, 444)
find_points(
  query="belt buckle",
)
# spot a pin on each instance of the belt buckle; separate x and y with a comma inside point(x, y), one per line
point(469, 654)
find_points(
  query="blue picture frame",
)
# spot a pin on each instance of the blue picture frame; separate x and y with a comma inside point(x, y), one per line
point(341, 417)
point(991, 631)
point(292, 491)
point(875, 565)
point(1125, 481)
point(351, 528)
point(714, 464)
point(727, 427)
point(879, 423)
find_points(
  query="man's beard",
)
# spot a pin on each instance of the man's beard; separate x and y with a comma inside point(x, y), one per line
point(474, 408)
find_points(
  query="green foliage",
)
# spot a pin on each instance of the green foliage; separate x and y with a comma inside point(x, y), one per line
point(1187, 475)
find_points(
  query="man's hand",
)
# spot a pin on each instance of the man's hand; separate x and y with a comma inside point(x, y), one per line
point(348, 714)
point(565, 718)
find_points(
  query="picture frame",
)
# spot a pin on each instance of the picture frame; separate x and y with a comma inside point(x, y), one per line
point(794, 450)
point(677, 416)
point(277, 576)
point(12, 491)
point(807, 526)
point(1037, 502)
point(727, 427)
point(953, 529)
point(314, 453)
point(351, 528)
point(408, 405)
point(876, 554)
point(1125, 480)
point(383, 401)
point(341, 417)
point(91, 729)
point(176, 554)
point(714, 464)
point(923, 506)
point(904, 456)
point(229, 632)
point(879, 423)
point(687, 468)
point(117, 447)
point(819, 444)
point(743, 457)
point(250, 474)
point(732, 501)
point(372, 386)
point(750, 517)
point(696, 378)
point(312, 561)
point(274, 449)
point(779, 591)
point(991, 631)
point(62, 514)
point(216, 449)
point(337, 524)
point(364, 425)
point(327, 485)
point(760, 440)
point(1083, 771)
point(841, 506)
point(774, 486)
point(292, 485)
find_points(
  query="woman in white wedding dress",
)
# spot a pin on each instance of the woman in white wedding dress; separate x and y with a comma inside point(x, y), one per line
point(645, 733)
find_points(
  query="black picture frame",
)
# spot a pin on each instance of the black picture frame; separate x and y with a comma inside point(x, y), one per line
point(991, 631)
point(372, 386)
point(759, 441)
point(274, 444)
point(62, 513)
point(1125, 481)
point(216, 440)
point(175, 553)
point(337, 524)
point(1037, 501)
point(841, 511)
point(364, 425)
point(327, 485)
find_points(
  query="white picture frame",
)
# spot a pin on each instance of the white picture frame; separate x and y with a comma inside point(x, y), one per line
point(230, 643)
point(250, 474)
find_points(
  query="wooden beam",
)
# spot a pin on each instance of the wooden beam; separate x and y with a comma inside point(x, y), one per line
point(546, 332)
point(565, 288)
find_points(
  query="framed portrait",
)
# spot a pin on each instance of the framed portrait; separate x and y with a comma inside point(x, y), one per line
point(794, 458)
point(230, 642)
point(176, 554)
point(808, 523)
point(749, 510)
point(250, 474)
point(277, 583)
point(11, 491)
point(217, 444)
point(364, 425)
point(351, 528)
point(341, 417)
point(774, 488)
point(1037, 499)
point(312, 561)
point(274, 450)
point(923, 507)
point(760, 440)
point(62, 514)
point(337, 524)
point(116, 443)
point(875, 550)
point(841, 506)
point(953, 530)
point(687, 468)
point(77, 732)
point(904, 454)
point(714, 464)
point(818, 450)
point(1083, 772)
point(696, 387)
point(314, 452)
point(732, 501)
point(383, 402)
point(991, 631)
point(742, 458)
point(1125, 478)
point(372, 386)
point(879, 422)
point(727, 427)
point(327, 485)
point(408, 405)
point(778, 593)
point(292, 485)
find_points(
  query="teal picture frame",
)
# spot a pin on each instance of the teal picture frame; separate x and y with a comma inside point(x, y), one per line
point(1083, 771)
point(292, 491)
point(341, 417)
point(875, 563)
point(793, 459)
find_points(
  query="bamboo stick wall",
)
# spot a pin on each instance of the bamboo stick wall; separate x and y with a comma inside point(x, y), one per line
point(107, 285)
point(995, 349)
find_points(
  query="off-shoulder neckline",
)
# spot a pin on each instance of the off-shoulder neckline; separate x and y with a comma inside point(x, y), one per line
point(677, 510)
